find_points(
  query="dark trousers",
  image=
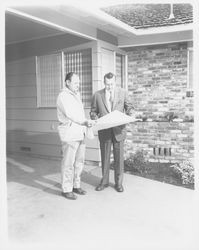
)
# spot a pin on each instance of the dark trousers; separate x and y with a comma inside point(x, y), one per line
point(118, 152)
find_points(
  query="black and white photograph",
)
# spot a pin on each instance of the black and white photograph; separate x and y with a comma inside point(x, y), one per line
point(99, 125)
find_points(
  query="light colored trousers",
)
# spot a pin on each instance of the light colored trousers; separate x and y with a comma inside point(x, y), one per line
point(72, 164)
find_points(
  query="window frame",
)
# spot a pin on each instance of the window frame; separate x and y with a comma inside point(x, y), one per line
point(124, 67)
point(189, 50)
point(63, 73)
point(80, 50)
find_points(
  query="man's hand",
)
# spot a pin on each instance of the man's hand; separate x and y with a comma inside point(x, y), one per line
point(93, 115)
point(89, 123)
point(131, 112)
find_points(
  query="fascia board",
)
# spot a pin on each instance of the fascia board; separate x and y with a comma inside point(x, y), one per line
point(66, 25)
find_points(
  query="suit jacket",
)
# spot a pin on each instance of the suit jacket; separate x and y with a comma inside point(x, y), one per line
point(99, 108)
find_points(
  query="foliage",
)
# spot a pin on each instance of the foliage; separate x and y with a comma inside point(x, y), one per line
point(189, 118)
point(185, 171)
point(168, 116)
point(136, 162)
point(142, 118)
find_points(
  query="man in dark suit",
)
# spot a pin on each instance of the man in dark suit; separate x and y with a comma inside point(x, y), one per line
point(105, 101)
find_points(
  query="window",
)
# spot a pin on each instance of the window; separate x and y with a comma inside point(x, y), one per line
point(51, 71)
point(81, 63)
point(120, 70)
point(49, 79)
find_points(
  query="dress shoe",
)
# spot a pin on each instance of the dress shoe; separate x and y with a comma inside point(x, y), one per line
point(101, 187)
point(119, 188)
point(79, 191)
point(69, 195)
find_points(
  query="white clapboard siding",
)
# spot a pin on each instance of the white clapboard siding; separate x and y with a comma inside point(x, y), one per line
point(25, 138)
point(21, 80)
point(21, 103)
point(48, 150)
point(92, 154)
point(20, 91)
point(35, 149)
point(20, 67)
point(30, 129)
point(20, 135)
point(33, 114)
point(34, 126)
point(94, 143)
point(33, 137)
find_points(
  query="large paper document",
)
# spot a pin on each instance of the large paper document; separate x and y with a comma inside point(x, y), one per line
point(112, 119)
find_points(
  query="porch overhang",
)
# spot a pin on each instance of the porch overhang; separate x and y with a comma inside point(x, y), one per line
point(87, 22)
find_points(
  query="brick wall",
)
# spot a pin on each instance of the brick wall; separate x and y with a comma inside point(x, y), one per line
point(157, 83)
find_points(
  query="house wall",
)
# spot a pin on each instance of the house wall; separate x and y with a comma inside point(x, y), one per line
point(37, 47)
point(157, 83)
point(33, 130)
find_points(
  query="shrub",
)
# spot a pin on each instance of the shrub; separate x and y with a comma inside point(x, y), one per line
point(136, 162)
point(168, 117)
point(185, 171)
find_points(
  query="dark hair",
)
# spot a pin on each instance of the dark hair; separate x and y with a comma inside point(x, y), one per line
point(109, 76)
point(69, 76)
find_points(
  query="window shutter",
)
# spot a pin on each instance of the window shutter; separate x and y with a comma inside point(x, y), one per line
point(80, 62)
point(49, 79)
point(120, 70)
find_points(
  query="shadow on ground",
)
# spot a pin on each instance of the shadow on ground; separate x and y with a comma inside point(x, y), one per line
point(42, 174)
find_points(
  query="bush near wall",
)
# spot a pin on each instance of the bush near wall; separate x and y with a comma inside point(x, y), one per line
point(181, 174)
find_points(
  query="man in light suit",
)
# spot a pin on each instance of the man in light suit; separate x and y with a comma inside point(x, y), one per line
point(105, 101)
point(72, 130)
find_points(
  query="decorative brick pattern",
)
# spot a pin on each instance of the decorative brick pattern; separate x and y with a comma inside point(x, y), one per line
point(157, 82)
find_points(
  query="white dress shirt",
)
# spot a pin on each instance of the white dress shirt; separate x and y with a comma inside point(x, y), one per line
point(109, 99)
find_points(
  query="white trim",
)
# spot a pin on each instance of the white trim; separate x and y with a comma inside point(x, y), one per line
point(44, 22)
point(114, 62)
point(38, 37)
point(37, 85)
point(188, 68)
point(63, 69)
point(126, 72)
point(146, 44)
point(165, 29)
point(124, 66)
point(80, 47)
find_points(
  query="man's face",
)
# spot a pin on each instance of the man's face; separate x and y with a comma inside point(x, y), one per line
point(73, 85)
point(109, 83)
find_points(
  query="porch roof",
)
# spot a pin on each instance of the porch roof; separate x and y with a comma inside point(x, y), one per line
point(147, 16)
point(85, 22)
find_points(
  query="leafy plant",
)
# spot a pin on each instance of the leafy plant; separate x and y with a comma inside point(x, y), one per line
point(136, 162)
point(168, 116)
point(185, 171)
point(189, 118)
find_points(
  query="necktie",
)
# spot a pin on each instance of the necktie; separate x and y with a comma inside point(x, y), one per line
point(111, 100)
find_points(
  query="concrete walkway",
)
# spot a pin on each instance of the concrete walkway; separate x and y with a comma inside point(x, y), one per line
point(148, 215)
